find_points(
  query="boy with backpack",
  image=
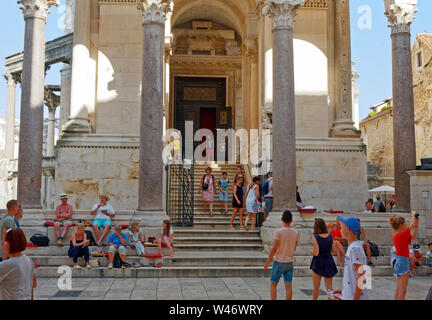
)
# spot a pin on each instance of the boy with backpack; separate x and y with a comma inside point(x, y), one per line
point(267, 193)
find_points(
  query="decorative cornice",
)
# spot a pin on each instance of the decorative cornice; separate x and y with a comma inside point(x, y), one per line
point(155, 11)
point(283, 12)
point(316, 4)
point(400, 15)
point(37, 8)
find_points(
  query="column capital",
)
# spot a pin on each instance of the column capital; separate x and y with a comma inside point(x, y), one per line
point(155, 11)
point(37, 8)
point(283, 12)
point(400, 14)
point(11, 79)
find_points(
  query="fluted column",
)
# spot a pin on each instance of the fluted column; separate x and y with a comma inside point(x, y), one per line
point(283, 13)
point(400, 14)
point(252, 56)
point(343, 125)
point(151, 129)
point(10, 117)
point(32, 102)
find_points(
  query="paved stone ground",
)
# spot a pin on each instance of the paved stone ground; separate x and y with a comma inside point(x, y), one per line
point(208, 288)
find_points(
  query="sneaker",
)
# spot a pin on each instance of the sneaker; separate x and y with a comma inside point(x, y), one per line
point(110, 266)
point(88, 266)
point(77, 267)
point(60, 241)
point(370, 264)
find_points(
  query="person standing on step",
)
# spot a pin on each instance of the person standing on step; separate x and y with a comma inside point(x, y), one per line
point(104, 212)
point(282, 252)
point(63, 219)
point(402, 238)
point(239, 173)
point(267, 191)
point(6, 223)
point(237, 203)
point(207, 188)
point(79, 246)
point(252, 202)
point(323, 265)
point(223, 192)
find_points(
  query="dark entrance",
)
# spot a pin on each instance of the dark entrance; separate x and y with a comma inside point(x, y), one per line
point(202, 101)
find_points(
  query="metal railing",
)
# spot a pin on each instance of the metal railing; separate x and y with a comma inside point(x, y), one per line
point(180, 194)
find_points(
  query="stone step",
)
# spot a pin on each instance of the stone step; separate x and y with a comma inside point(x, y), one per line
point(216, 240)
point(196, 272)
point(193, 260)
point(183, 232)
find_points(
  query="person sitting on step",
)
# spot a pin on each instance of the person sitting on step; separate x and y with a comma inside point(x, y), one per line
point(104, 212)
point(79, 246)
point(64, 213)
point(117, 243)
point(136, 238)
point(167, 238)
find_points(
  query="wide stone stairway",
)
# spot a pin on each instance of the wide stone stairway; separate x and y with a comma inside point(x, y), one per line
point(209, 248)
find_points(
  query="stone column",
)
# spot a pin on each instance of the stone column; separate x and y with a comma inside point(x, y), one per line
point(65, 97)
point(283, 13)
point(151, 129)
point(10, 117)
point(343, 125)
point(252, 56)
point(52, 101)
point(83, 72)
point(400, 14)
point(32, 102)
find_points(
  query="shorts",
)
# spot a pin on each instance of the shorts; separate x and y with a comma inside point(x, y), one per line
point(402, 266)
point(121, 250)
point(282, 268)
point(101, 223)
point(268, 205)
point(223, 196)
point(64, 222)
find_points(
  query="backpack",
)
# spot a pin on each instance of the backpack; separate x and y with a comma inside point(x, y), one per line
point(117, 261)
point(89, 236)
point(40, 240)
point(375, 252)
point(381, 207)
point(265, 187)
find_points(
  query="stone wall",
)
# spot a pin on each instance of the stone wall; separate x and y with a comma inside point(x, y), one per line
point(421, 201)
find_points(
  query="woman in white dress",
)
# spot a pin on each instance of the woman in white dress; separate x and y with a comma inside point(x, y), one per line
point(252, 199)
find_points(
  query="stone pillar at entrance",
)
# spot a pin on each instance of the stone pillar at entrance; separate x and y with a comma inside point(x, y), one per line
point(283, 13)
point(343, 125)
point(10, 117)
point(32, 102)
point(150, 193)
point(400, 14)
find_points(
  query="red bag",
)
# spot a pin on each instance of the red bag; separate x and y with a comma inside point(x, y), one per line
point(49, 224)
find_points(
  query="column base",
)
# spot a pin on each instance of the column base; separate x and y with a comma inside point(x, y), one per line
point(150, 221)
point(270, 226)
point(344, 128)
point(33, 217)
point(77, 126)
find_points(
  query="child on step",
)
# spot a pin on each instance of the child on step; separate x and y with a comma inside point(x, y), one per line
point(136, 238)
point(167, 238)
point(223, 192)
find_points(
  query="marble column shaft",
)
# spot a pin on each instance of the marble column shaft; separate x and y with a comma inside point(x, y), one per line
point(51, 132)
point(31, 120)
point(10, 117)
point(151, 131)
point(400, 15)
point(283, 13)
point(284, 124)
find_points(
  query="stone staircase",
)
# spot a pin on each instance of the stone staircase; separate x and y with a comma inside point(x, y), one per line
point(210, 248)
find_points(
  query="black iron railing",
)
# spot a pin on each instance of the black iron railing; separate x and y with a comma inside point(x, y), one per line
point(180, 194)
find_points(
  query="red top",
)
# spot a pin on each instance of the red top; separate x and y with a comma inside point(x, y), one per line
point(336, 233)
point(401, 241)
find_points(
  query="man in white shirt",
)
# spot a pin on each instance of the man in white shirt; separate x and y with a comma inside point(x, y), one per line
point(104, 212)
point(355, 267)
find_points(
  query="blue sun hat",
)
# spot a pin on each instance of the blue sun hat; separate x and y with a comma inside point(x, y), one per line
point(352, 223)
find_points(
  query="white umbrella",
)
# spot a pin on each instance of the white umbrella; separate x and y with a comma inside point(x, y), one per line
point(382, 189)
